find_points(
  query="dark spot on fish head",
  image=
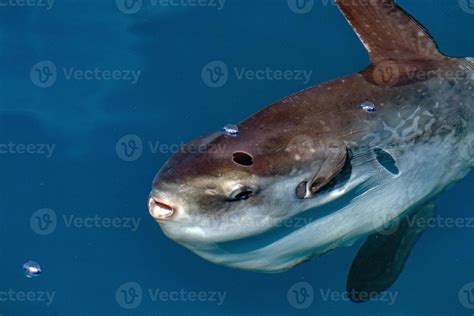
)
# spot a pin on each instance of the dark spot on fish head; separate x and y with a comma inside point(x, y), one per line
point(242, 158)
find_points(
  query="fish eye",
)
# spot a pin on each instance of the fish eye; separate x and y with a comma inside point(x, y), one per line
point(242, 193)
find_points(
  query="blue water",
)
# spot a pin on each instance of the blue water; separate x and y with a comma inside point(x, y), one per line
point(85, 264)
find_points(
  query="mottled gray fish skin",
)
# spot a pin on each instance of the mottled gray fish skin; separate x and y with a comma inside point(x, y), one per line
point(300, 147)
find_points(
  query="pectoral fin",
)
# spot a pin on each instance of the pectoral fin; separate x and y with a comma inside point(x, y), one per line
point(381, 259)
point(336, 161)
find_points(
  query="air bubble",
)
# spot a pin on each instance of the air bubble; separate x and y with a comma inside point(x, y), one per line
point(368, 107)
point(231, 130)
point(32, 269)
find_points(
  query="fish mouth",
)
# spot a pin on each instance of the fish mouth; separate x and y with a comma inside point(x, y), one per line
point(159, 209)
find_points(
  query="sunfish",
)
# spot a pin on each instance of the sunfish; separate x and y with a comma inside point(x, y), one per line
point(327, 166)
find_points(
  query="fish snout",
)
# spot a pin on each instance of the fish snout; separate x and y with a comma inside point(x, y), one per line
point(160, 209)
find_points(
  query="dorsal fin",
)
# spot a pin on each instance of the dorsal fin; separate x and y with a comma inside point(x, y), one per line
point(388, 32)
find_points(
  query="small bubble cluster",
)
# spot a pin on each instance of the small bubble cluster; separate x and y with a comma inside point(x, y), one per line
point(231, 130)
point(32, 269)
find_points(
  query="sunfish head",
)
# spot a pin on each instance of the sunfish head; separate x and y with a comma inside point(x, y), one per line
point(231, 199)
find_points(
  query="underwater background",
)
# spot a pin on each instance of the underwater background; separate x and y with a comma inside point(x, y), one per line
point(95, 95)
